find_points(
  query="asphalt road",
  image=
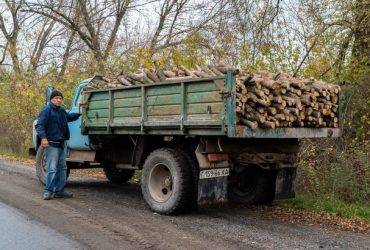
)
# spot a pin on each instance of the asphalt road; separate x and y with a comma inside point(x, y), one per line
point(17, 231)
point(109, 216)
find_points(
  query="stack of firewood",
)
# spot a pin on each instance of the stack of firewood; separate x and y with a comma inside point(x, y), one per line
point(263, 99)
point(151, 76)
point(278, 100)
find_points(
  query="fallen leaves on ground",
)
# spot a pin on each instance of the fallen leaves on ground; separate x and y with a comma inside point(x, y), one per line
point(19, 160)
point(301, 216)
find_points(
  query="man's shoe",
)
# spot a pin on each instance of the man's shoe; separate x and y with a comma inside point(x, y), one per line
point(48, 196)
point(63, 195)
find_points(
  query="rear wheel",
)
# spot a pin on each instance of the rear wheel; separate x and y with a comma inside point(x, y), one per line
point(193, 165)
point(114, 174)
point(252, 186)
point(167, 182)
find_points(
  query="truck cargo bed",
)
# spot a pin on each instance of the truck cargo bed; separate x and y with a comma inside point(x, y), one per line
point(205, 106)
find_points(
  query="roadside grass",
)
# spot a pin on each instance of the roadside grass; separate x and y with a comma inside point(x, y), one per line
point(22, 154)
point(335, 207)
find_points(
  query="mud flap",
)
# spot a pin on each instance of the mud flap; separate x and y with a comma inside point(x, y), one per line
point(284, 185)
point(212, 190)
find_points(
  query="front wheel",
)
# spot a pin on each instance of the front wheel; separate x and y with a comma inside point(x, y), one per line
point(167, 182)
point(41, 164)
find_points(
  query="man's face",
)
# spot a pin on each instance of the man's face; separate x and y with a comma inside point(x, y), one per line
point(57, 101)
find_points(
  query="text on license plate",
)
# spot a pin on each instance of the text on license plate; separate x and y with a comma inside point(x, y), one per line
point(211, 173)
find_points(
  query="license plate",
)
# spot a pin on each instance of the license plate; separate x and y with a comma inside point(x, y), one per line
point(212, 173)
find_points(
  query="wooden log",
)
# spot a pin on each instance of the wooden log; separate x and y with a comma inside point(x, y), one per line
point(255, 117)
point(272, 110)
point(278, 106)
point(208, 71)
point(268, 124)
point(106, 79)
point(265, 103)
point(242, 97)
point(215, 70)
point(151, 75)
point(256, 91)
point(277, 99)
point(251, 124)
point(268, 83)
point(169, 74)
point(161, 75)
point(187, 72)
point(280, 117)
point(290, 101)
point(251, 96)
point(179, 78)
point(123, 80)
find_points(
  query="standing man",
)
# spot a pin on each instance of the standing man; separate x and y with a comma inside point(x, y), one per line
point(52, 128)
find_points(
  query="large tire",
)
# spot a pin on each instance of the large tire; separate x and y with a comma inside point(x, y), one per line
point(252, 186)
point(167, 182)
point(41, 165)
point(193, 165)
point(117, 175)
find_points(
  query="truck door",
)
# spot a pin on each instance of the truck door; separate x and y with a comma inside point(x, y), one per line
point(77, 141)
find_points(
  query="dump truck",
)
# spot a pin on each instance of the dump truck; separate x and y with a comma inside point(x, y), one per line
point(184, 137)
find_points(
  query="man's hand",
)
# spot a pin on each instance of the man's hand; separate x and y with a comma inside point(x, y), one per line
point(44, 143)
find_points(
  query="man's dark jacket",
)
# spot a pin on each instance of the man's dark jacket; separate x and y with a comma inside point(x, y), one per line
point(52, 124)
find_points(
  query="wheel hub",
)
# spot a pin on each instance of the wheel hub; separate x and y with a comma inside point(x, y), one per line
point(167, 181)
point(160, 183)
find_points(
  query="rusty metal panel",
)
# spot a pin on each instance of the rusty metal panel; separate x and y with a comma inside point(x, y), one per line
point(244, 131)
point(81, 155)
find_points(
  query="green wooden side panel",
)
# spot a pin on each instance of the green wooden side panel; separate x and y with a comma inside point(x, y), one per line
point(173, 108)
point(164, 110)
point(204, 97)
point(98, 105)
point(95, 114)
point(98, 96)
point(126, 112)
point(206, 109)
point(161, 100)
point(202, 87)
point(127, 93)
point(163, 90)
point(127, 102)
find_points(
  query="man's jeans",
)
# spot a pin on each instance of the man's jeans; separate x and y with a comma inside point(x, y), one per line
point(56, 170)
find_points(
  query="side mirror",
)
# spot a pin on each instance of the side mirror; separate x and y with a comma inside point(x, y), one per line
point(48, 91)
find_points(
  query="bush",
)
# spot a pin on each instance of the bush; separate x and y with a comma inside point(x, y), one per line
point(339, 169)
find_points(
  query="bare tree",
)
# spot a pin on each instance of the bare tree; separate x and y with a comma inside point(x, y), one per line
point(95, 22)
point(43, 38)
point(178, 19)
point(11, 34)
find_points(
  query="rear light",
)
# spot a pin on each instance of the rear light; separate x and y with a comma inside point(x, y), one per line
point(214, 157)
